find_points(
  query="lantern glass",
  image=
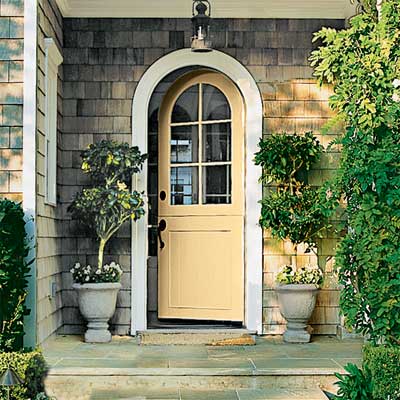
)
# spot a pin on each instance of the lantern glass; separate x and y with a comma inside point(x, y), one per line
point(201, 25)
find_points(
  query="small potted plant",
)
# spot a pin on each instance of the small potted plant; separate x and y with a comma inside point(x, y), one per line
point(104, 207)
point(296, 212)
point(297, 293)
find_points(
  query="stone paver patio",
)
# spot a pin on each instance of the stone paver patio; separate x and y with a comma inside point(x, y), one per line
point(69, 356)
point(270, 352)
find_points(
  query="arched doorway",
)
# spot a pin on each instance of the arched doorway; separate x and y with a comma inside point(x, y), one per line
point(252, 123)
point(201, 200)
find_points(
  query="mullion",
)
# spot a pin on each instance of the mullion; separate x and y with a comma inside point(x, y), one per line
point(200, 136)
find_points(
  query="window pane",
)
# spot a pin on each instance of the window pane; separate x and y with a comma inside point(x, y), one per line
point(184, 186)
point(217, 142)
point(184, 144)
point(217, 187)
point(186, 108)
point(215, 104)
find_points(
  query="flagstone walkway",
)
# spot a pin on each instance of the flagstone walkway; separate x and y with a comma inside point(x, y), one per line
point(171, 372)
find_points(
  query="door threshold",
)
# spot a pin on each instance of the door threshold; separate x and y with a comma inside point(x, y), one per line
point(197, 330)
point(192, 324)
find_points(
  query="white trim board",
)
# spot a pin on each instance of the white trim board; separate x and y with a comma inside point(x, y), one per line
point(29, 159)
point(53, 59)
point(339, 9)
point(253, 189)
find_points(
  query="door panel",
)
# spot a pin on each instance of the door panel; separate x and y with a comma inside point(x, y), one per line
point(201, 270)
point(196, 274)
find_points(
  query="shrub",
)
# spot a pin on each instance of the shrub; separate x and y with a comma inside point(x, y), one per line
point(13, 275)
point(108, 203)
point(384, 364)
point(295, 211)
point(356, 385)
point(31, 367)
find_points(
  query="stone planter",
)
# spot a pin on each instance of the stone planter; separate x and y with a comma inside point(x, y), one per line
point(97, 302)
point(296, 303)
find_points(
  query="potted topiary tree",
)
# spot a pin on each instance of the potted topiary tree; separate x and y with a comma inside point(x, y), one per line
point(296, 212)
point(104, 207)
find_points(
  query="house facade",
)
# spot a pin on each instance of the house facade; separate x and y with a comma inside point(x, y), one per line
point(77, 72)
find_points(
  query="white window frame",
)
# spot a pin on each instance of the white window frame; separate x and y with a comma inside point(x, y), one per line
point(53, 59)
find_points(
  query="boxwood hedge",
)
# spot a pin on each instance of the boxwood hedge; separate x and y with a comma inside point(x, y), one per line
point(383, 362)
point(31, 367)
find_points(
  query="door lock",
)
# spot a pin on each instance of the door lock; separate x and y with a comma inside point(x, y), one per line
point(162, 226)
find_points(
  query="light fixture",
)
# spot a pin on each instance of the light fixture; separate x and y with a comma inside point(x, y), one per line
point(201, 26)
point(10, 378)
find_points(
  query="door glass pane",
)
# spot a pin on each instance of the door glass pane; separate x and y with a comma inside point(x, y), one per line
point(184, 144)
point(184, 185)
point(186, 108)
point(217, 187)
point(215, 104)
point(217, 142)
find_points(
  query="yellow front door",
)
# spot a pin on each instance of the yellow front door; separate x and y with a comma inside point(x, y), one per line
point(201, 260)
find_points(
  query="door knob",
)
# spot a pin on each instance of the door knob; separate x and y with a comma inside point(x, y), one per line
point(162, 226)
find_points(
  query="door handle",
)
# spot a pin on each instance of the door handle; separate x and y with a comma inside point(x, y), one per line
point(162, 226)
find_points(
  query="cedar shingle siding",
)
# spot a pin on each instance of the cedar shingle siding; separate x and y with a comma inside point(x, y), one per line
point(11, 97)
point(103, 61)
point(48, 218)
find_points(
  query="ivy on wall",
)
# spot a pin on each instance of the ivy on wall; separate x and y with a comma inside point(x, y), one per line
point(363, 64)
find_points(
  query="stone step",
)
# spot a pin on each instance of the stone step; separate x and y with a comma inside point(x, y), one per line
point(84, 383)
point(184, 394)
point(186, 337)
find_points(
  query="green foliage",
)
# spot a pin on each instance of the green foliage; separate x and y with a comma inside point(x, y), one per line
point(356, 385)
point(31, 367)
point(295, 211)
point(384, 364)
point(109, 203)
point(308, 274)
point(105, 208)
point(109, 162)
point(363, 63)
point(283, 157)
point(368, 6)
point(13, 275)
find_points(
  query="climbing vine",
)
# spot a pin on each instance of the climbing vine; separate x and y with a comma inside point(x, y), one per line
point(363, 64)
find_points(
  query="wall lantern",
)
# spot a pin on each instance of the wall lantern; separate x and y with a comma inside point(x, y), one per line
point(201, 26)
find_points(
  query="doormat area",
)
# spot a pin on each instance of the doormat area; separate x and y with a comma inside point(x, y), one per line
point(207, 337)
point(245, 340)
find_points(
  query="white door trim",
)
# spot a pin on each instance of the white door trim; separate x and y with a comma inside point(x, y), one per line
point(253, 189)
point(29, 160)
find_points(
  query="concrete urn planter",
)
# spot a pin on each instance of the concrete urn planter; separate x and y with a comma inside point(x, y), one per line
point(297, 303)
point(97, 303)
